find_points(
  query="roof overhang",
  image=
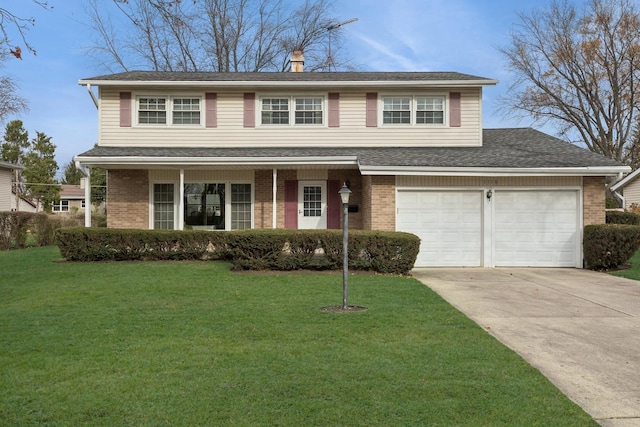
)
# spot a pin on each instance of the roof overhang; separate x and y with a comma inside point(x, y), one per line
point(294, 84)
point(230, 162)
point(626, 180)
point(492, 172)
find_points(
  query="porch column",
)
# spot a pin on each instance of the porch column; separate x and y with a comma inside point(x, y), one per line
point(181, 201)
point(274, 204)
point(87, 198)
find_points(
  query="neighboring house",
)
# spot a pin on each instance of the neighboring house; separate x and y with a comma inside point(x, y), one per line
point(224, 151)
point(627, 190)
point(6, 195)
point(71, 199)
point(25, 205)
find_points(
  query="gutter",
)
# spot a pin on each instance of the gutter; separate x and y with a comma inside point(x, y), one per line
point(304, 83)
point(216, 161)
point(480, 171)
point(93, 96)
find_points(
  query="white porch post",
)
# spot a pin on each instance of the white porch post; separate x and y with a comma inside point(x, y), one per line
point(274, 203)
point(87, 197)
point(181, 201)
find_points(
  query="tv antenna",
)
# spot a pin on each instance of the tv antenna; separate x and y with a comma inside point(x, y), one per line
point(330, 28)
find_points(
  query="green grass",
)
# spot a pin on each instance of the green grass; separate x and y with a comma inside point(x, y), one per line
point(634, 271)
point(191, 343)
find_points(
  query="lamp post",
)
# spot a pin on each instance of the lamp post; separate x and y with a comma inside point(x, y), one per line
point(344, 196)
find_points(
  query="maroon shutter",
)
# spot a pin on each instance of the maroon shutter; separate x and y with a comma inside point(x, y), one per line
point(334, 110)
point(125, 109)
point(454, 110)
point(334, 204)
point(211, 109)
point(372, 109)
point(291, 204)
point(249, 110)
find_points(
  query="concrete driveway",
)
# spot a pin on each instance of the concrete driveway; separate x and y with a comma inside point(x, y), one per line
point(580, 328)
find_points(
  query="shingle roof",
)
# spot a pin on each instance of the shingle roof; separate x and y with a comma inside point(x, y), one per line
point(173, 76)
point(502, 148)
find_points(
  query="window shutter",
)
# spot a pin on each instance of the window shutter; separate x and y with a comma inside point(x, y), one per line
point(334, 204)
point(454, 110)
point(334, 110)
point(372, 109)
point(211, 109)
point(291, 204)
point(125, 109)
point(249, 110)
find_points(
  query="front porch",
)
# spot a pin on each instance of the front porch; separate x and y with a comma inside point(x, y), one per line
point(230, 199)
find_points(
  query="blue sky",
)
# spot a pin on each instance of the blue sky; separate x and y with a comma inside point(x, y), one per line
point(401, 35)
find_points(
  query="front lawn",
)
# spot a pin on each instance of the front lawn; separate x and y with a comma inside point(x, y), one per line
point(634, 271)
point(191, 343)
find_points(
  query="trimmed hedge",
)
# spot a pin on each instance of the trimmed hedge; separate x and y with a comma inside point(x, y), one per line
point(384, 252)
point(609, 245)
point(619, 217)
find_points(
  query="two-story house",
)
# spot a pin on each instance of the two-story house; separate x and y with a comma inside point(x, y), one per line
point(226, 151)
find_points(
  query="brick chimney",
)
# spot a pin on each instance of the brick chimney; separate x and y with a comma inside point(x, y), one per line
point(297, 62)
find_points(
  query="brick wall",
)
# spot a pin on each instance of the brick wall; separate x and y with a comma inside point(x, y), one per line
point(263, 198)
point(593, 193)
point(379, 203)
point(128, 199)
point(355, 180)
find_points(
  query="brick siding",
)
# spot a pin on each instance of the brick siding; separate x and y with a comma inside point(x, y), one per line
point(593, 188)
point(128, 199)
point(379, 203)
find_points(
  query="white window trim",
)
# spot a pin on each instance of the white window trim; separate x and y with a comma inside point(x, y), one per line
point(413, 103)
point(169, 111)
point(177, 202)
point(59, 206)
point(292, 112)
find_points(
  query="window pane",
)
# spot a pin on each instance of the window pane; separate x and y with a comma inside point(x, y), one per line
point(312, 200)
point(240, 206)
point(308, 111)
point(163, 206)
point(275, 111)
point(396, 110)
point(430, 110)
point(152, 111)
point(186, 111)
point(204, 206)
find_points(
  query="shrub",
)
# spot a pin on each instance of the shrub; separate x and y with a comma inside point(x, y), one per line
point(13, 229)
point(385, 252)
point(610, 245)
point(617, 217)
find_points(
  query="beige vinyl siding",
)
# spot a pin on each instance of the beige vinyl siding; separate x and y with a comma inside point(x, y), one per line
point(231, 133)
point(5, 189)
point(631, 193)
point(463, 181)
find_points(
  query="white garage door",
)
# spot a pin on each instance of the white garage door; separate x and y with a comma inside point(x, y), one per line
point(449, 224)
point(535, 228)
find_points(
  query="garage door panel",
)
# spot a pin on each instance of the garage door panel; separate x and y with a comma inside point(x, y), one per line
point(542, 232)
point(449, 224)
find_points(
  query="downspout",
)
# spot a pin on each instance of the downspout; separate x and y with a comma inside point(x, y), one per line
point(87, 192)
point(618, 195)
point(621, 198)
point(93, 96)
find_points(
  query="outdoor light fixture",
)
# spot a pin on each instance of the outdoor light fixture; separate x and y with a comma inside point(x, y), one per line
point(345, 193)
point(489, 194)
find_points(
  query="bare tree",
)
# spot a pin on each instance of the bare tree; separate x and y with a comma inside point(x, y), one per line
point(21, 24)
point(579, 69)
point(211, 35)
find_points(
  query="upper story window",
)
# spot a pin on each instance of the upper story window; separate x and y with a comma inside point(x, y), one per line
point(410, 110)
point(305, 111)
point(275, 111)
point(183, 110)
